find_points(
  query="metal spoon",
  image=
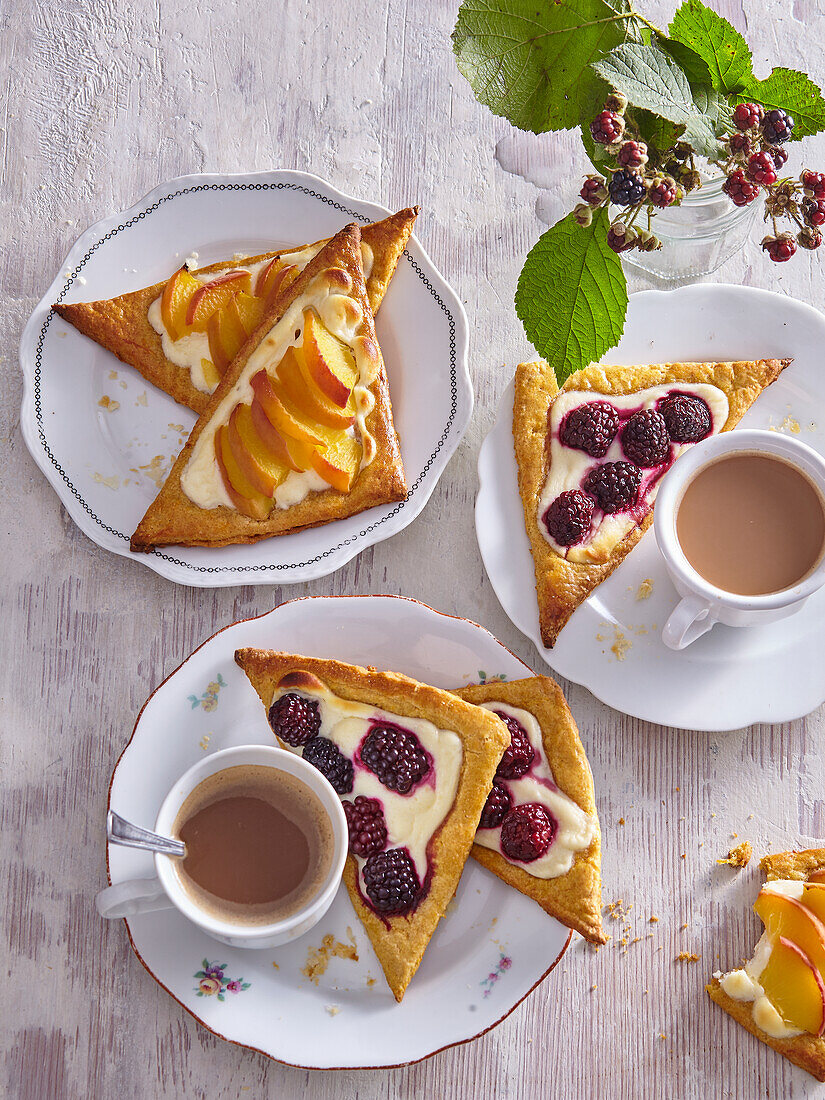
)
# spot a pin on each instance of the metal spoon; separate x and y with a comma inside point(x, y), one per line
point(121, 831)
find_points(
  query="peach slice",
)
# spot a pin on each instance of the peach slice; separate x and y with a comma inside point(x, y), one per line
point(260, 468)
point(330, 363)
point(817, 876)
point(783, 916)
point(339, 463)
point(300, 453)
point(227, 335)
point(244, 496)
point(174, 302)
point(305, 395)
point(275, 443)
point(210, 374)
point(214, 296)
point(281, 416)
point(250, 311)
point(813, 898)
point(794, 987)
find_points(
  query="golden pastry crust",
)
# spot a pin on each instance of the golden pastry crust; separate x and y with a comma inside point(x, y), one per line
point(806, 1051)
point(173, 518)
point(562, 585)
point(121, 324)
point(574, 898)
point(400, 941)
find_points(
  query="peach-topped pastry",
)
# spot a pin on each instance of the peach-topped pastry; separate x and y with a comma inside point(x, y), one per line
point(591, 456)
point(183, 334)
point(779, 995)
point(299, 430)
point(412, 765)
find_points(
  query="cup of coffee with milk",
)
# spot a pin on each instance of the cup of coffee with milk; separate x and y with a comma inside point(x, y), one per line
point(740, 522)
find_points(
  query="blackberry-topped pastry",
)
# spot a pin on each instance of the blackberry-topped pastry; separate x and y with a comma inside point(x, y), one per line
point(413, 766)
point(591, 456)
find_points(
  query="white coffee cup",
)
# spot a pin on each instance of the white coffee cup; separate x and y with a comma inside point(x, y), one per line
point(165, 891)
point(703, 605)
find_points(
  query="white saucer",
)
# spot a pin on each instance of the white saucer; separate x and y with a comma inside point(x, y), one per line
point(612, 644)
point(492, 947)
point(107, 463)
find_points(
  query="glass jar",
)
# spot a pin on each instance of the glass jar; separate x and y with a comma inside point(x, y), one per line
point(697, 236)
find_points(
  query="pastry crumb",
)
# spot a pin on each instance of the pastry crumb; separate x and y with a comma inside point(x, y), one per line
point(370, 982)
point(112, 375)
point(318, 957)
point(277, 966)
point(155, 470)
point(109, 403)
point(789, 424)
point(621, 821)
point(141, 399)
point(112, 482)
point(177, 427)
point(687, 956)
point(662, 1035)
point(332, 1010)
point(684, 855)
point(654, 919)
point(204, 744)
point(645, 589)
point(621, 645)
point(739, 856)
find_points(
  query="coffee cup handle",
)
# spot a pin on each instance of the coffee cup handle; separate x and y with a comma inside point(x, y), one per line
point(689, 620)
point(131, 898)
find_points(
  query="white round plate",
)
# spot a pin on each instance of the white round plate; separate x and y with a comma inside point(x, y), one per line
point(612, 644)
point(106, 464)
point(491, 948)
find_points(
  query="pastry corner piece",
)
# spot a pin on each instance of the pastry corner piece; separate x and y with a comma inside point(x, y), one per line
point(591, 453)
point(779, 995)
point(546, 766)
point(398, 753)
point(299, 431)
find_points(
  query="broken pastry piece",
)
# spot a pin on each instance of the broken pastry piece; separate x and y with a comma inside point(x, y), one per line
point(539, 830)
point(182, 334)
point(299, 431)
point(413, 766)
point(591, 455)
point(779, 995)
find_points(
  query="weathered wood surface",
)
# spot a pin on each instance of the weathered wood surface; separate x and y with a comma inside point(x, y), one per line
point(102, 100)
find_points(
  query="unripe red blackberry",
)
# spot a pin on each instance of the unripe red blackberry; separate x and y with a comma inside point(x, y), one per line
point(809, 238)
point(779, 248)
point(663, 191)
point(621, 237)
point(594, 190)
point(747, 115)
point(739, 189)
point(632, 154)
point(813, 184)
point(813, 211)
point(761, 169)
point(607, 128)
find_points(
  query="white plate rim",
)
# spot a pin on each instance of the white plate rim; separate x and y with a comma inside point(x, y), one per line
point(579, 672)
point(190, 1011)
point(328, 559)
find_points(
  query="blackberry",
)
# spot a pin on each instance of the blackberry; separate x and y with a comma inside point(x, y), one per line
point(594, 190)
point(781, 248)
point(777, 127)
point(499, 801)
point(396, 756)
point(366, 825)
point(741, 144)
point(761, 169)
point(813, 184)
point(614, 486)
point(325, 755)
point(391, 881)
point(662, 191)
point(519, 754)
point(747, 115)
point(809, 238)
point(686, 418)
point(621, 237)
point(632, 154)
point(739, 189)
point(778, 155)
point(813, 211)
point(645, 440)
point(607, 128)
point(626, 188)
point(590, 428)
point(568, 517)
point(527, 832)
point(295, 719)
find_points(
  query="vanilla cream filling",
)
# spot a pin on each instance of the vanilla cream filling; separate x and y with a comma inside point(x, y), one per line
point(743, 985)
point(568, 467)
point(201, 478)
point(575, 828)
point(412, 819)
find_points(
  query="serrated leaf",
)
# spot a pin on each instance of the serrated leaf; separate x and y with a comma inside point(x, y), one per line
point(659, 134)
point(692, 65)
point(572, 294)
point(791, 91)
point(720, 45)
point(530, 62)
point(651, 79)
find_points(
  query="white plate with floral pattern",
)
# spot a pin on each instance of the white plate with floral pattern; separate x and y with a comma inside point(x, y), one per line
point(491, 948)
point(612, 644)
point(105, 438)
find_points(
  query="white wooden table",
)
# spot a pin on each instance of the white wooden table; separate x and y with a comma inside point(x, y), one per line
point(102, 99)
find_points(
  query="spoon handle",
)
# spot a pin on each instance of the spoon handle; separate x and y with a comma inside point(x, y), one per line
point(121, 831)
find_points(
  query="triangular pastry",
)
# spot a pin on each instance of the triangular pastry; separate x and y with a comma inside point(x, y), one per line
point(555, 859)
point(590, 457)
point(148, 328)
point(413, 766)
point(299, 431)
point(779, 994)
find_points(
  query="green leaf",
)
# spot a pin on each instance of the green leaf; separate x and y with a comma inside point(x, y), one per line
point(793, 92)
point(659, 134)
point(595, 153)
point(651, 79)
point(530, 62)
point(694, 67)
point(720, 45)
point(572, 294)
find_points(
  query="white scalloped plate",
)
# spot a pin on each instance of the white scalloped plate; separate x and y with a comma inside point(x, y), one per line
point(491, 948)
point(102, 461)
point(612, 644)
